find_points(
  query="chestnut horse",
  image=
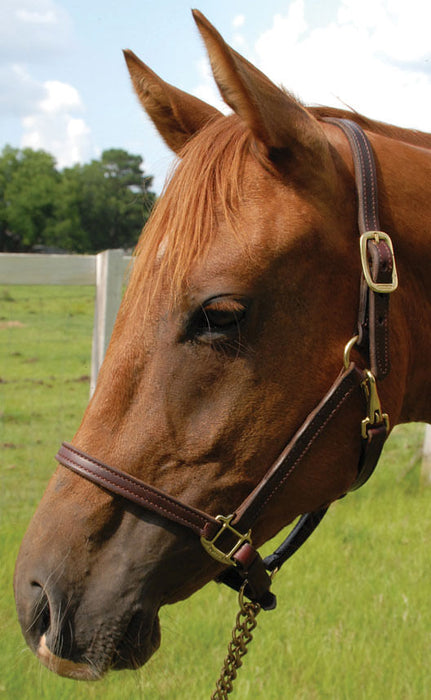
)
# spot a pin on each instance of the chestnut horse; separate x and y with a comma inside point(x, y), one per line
point(244, 293)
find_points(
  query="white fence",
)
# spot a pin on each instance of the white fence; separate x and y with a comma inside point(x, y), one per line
point(107, 271)
point(426, 458)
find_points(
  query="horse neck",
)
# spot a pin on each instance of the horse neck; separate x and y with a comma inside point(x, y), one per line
point(405, 199)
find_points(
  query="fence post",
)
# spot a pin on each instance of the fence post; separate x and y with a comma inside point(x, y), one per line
point(426, 458)
point(109, 282)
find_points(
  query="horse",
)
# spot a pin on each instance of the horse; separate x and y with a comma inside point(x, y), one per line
point(241, 310)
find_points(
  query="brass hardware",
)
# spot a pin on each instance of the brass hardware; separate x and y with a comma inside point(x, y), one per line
point(218, 554)
point(347, 350)
point(245, 623)
point(375, 415)
point(274, 573)
point(382, 288)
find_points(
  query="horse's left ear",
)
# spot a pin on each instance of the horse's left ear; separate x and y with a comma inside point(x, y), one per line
point(277, 120)
point(176, 114)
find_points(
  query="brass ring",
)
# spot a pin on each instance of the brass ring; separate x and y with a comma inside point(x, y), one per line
point(347, 350)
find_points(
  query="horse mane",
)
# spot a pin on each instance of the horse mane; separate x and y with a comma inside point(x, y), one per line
point(205, 186)
point(398, 133)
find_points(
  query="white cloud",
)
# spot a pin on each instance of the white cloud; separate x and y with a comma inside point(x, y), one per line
point(34, 30)
point(374, 56)
point(238, 21)
point(207, 89)
point(398, 29)
point(238, 41)
point(54, 127)
point(19, 92)
point(60, 96)
point(35, 33)
point(35, 17)
point(32, 33)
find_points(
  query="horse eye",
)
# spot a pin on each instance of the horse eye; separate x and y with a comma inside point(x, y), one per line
point(220, 315)
point(222, 318)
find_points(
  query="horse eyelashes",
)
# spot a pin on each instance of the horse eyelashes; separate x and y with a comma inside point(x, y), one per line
point(217, 320)
point(223, 319)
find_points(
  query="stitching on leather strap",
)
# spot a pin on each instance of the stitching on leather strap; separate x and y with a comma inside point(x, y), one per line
point(256, 511)
point(306, 449)
point(144, 500)
point(363, 145)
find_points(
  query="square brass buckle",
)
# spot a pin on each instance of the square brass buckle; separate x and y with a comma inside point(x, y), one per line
point(217, 554)
point(381, 288)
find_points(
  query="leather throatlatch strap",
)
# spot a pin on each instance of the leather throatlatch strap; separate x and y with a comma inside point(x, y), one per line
point(373, 317)
point(223, 538)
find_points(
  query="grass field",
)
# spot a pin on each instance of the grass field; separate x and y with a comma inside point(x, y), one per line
point(354, 616)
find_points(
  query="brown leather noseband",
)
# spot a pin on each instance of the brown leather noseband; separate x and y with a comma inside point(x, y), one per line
point(228, 538)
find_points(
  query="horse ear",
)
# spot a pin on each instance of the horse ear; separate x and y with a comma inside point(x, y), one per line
point(176, 114)
point(276, 119)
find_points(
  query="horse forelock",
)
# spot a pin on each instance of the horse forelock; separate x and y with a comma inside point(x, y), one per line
point(204, 187)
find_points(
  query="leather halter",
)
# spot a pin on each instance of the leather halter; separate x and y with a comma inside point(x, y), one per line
point(228, 538)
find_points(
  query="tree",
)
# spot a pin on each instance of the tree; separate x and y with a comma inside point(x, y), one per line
point(116, 199)
point(8, 166)
point(28, 181)
point(87, 208)
point(29, 197)
point(66, 231)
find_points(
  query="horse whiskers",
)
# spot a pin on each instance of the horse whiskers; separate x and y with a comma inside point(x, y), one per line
point(232, 349)
point(57, 571)
point(90, 662)
point(56, 635)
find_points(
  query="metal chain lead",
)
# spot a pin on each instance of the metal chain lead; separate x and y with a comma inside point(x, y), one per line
point(245, 623)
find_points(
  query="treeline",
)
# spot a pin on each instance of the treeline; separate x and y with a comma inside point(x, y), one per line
point(86, 208)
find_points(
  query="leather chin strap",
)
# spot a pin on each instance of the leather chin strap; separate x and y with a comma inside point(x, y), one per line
point(228, 538)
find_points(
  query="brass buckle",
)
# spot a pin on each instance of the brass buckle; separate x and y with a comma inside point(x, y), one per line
point(375, 415)
point(380, 287)
point(216, 553)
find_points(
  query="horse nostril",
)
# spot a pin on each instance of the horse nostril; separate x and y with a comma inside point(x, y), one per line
point(47, 622)
point(41, 612)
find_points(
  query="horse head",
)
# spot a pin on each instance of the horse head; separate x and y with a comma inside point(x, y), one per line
point(243, 295)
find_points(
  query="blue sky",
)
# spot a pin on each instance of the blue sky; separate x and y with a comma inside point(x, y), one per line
point(64, 86)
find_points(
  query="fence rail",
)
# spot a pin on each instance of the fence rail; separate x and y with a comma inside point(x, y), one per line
point(426, 458)
point(107, 271)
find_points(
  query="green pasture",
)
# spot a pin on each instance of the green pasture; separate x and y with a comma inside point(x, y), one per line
point(354, 615)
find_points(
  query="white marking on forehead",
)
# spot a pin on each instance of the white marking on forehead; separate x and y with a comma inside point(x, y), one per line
point(161, 250)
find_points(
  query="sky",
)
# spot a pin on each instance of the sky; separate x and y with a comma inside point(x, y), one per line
point(64, 86)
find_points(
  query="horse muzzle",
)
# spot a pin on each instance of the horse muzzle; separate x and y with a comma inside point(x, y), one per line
point(133, 651)
point(74, 639)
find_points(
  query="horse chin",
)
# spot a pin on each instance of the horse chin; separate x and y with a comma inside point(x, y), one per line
point(135, 649)
point(132, 651)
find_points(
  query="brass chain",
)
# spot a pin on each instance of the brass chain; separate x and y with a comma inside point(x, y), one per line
point(245, 623)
